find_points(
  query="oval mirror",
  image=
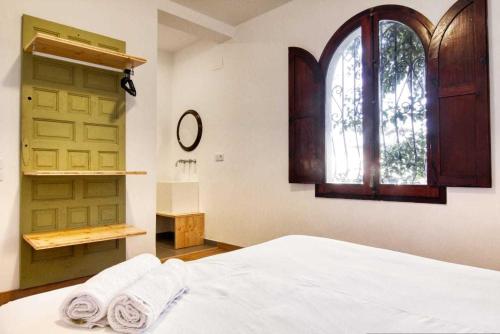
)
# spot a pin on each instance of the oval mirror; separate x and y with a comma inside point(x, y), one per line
point(189, 130)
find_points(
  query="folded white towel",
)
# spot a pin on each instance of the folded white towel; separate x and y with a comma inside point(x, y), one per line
point(137, 307)
point(87, 305)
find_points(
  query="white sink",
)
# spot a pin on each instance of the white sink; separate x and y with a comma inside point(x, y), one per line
point(177, 197)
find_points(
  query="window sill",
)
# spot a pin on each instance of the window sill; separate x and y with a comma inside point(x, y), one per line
point(406, 193)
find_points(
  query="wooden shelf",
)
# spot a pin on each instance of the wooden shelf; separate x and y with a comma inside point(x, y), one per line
point(188, 228)
point(83, 52)
point(81, 172)
point(174, 215)
point(63, 238)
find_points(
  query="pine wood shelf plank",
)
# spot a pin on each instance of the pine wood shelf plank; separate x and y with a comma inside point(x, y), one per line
point(62, 47)
point(81, 172)
point(80, 236)
point(174, 215)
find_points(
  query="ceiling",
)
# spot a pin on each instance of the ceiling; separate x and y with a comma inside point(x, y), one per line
point(172, 40)
point(176, 32)
point(232, 12)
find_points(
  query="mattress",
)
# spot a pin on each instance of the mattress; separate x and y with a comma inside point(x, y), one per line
point(303, 284)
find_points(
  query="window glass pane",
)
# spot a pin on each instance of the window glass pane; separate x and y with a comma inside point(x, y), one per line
point(402, 105)
point(344, 117)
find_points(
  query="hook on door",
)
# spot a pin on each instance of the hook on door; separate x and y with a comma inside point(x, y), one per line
point(126, 80)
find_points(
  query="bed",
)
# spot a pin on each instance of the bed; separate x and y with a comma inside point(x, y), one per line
point(303, 284)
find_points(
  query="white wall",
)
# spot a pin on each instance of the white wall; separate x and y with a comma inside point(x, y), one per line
point(244, 107)
point(130, 20)
point(165, 136)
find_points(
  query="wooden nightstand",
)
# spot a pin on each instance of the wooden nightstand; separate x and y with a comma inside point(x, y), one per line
point(188, 228)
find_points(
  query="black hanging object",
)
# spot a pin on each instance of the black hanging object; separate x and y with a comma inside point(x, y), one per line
point(126, 80)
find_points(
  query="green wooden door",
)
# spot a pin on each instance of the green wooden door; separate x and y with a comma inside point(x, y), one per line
point(72, 118)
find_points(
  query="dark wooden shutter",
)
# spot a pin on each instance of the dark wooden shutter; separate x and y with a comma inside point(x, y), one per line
point(306, 118)
point(459, 113)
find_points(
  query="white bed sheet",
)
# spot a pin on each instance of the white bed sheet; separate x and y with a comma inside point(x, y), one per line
point(302, 284)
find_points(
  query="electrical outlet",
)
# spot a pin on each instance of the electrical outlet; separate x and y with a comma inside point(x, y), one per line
point(219, 157)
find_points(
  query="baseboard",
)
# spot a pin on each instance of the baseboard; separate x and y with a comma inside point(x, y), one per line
point(9, 296)
point(224, 246)
point(227, 247)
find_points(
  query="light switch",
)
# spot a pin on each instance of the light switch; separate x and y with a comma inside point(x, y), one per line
point(219, 157)
point(1, 163)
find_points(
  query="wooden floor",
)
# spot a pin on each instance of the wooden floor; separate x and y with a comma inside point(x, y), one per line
point(165, 249)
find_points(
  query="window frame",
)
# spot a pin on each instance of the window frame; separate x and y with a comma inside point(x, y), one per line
point(369, 22)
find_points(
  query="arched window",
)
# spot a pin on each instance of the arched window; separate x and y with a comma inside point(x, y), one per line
point(394, 109)
point(402, 105)
point(375, 105)
point(344, 114)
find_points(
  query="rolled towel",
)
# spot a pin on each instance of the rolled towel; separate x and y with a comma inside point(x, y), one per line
point(136, 308)
point(88, 304)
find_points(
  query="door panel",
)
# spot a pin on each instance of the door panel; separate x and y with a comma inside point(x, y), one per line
point(73, 118)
